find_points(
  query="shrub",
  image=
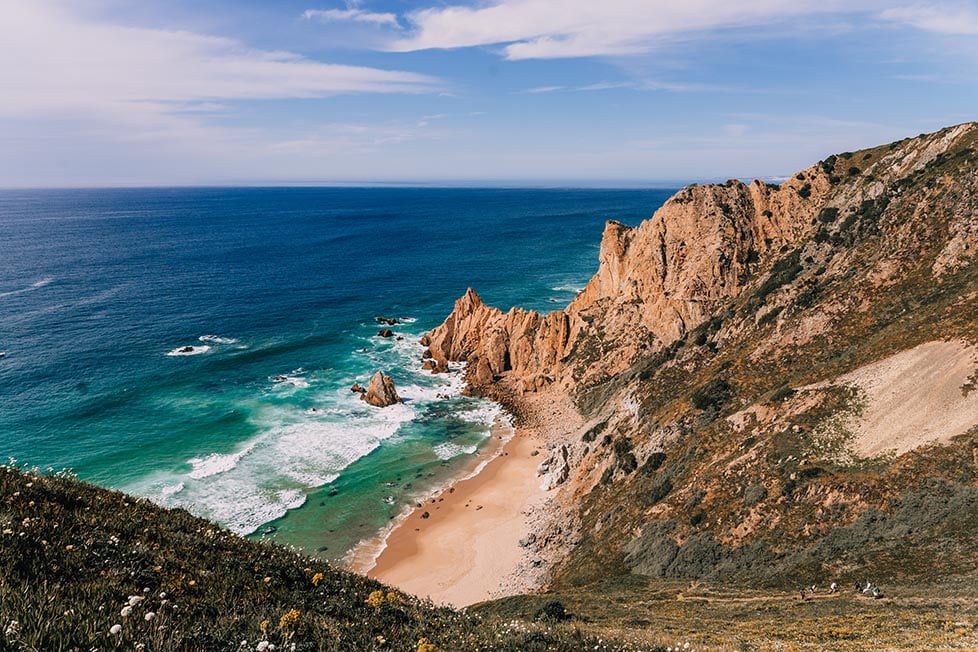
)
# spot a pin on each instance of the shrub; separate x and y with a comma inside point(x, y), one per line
point(805, 191)
point(781, 394)
point(712, 395)
point(553, 611)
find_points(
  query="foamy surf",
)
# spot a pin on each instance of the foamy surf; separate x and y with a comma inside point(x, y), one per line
point(30, 288)
point(217, 339)
point(188, 350)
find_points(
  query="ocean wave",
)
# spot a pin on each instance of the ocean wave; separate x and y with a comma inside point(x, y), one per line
point(447, 450)
point(217, 339)
point(293, 379)
point(204, 467)
point(568, 288)
point(170, 490)
point(30, 288)
point(188, 350)
point(485, 413)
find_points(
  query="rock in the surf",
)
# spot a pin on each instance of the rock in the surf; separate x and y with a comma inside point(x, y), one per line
point(381, 391)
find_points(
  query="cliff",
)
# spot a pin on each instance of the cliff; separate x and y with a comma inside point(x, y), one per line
point(777, 381)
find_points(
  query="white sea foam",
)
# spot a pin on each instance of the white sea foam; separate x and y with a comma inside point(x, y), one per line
point(447, 450)
point(29, 288)
point(204, 467)
point(216, 339)
point(189, 350)
point(568, 288)
point(485, 413)
point(170, 490)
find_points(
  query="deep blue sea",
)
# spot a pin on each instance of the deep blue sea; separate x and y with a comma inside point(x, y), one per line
point(276, 290)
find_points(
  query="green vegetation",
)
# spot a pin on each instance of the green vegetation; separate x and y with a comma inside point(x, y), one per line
point(83, 568)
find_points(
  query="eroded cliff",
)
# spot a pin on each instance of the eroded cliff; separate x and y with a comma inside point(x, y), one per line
point(713, 357)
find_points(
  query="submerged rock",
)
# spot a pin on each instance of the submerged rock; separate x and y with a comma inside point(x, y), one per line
point(381, 391)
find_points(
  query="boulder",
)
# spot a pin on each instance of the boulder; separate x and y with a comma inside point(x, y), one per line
point(555, 469)
point(385, 332)
point(381, 391)
point(358, 389)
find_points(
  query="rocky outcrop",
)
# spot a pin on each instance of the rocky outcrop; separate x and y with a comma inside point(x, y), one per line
point(555, 469)
point(381, 391)
point(654, 283)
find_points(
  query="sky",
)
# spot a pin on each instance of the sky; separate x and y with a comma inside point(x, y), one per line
point(520, 92)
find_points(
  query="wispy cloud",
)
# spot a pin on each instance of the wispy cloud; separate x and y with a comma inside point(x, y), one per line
point(541, 29)
point(351, 14)
point(940, 19)
point(55, 61)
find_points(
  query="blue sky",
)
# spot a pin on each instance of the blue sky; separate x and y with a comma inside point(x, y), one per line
point(112, 92)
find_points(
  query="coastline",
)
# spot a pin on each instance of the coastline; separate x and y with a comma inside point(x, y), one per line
point(467, 549)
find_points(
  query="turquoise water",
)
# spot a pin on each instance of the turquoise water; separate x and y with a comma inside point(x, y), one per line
point(276, 290)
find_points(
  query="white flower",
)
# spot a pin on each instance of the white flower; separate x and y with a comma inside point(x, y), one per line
point(135, 599)
point(262, 647)
point(115, 629)
point(125, 611)
point(163, 594)
point(149, 616)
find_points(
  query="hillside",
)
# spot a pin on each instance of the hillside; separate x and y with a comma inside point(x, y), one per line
point(776, 380)
point(77, 560)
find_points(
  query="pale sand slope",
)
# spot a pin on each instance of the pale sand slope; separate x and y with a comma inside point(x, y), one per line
point(914, 398)
point(468, 549)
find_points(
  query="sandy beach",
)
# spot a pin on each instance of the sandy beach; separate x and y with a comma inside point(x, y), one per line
point(462, 546)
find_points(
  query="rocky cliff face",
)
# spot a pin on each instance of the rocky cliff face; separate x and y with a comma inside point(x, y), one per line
point(712, 357)
point(654, 283)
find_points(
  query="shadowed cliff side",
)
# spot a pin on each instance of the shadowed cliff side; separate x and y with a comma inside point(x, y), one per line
point(740, 360)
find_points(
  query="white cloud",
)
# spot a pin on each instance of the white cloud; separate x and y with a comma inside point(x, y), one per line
point(54, 61)
point(939, 19)
point(351, 14)
point(543, 29)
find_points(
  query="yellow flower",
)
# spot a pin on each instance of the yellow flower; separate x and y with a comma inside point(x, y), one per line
point(317, 578)
point(381, 640)
point(375, 599)
point(393, 598)
point(263, 626)
point(289, 619)
point(424, 645)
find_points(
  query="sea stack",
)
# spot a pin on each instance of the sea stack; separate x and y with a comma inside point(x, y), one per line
point(381, 391)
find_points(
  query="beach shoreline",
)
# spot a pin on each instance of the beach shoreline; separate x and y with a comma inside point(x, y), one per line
point(467, 543)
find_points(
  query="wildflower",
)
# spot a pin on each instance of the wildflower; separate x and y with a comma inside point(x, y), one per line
point(268, 580)
point(424, 645)
point(149, 616)
point(163, 594)
point(135, 599)
point(12, 630)
point(375, 599)
point(125, 611)
point(381, 640)
point(263, 646)
point(263, 626)
point(115, 629)
point(317, 578)
point(289, 619)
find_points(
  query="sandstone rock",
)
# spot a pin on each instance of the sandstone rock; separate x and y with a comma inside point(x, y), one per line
point(555, 469)
point(385, 332)
point(482, 375)
point(381, 391)
point(358, 389)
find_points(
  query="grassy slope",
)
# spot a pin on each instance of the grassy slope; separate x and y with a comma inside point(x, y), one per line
point(72, 554)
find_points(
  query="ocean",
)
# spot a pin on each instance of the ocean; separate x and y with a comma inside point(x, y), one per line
point(196, 346)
